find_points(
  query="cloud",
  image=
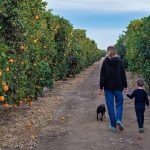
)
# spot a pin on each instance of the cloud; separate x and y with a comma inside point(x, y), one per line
point(101, 5)
point(104, 20)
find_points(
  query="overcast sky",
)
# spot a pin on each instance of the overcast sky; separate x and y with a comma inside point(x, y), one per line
point(104, 20)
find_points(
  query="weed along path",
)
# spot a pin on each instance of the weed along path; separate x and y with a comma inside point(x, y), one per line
point(66, 120)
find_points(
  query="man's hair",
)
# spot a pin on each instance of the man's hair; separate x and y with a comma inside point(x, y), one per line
point(110, 48)
point(111, 51)
point(140, 82)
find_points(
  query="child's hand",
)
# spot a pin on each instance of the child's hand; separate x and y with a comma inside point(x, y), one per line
point(100, 92)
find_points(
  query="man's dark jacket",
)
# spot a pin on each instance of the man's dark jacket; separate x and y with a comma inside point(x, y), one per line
point(112, 75)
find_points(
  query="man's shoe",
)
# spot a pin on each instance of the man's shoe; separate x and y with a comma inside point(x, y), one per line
point(120, 125)
point(112, 128)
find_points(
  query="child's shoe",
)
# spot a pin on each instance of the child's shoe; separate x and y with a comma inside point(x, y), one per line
point(141, 130)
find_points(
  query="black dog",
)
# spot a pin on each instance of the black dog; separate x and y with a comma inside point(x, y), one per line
point(101, 112)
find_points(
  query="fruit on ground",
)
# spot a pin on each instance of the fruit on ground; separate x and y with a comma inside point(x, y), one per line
point(30, 103)
point(14, 106)
point(21, 102)
point(5, 106)
point(25, 100)
point(29, 125)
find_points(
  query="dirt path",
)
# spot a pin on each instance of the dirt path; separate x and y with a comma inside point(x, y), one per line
point(74, 125)
point(65, 119)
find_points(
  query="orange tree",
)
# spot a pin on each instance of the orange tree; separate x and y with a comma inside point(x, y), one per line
point(36, 49)
point(12, 35)
point(41, 46)
point(63, 47)
point(138, 47)
point(29, 45)
point(86, 49)
point(121, 49)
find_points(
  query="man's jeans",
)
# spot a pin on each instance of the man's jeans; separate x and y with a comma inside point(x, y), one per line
point(114, 115)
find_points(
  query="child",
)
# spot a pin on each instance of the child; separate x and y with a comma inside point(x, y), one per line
point(141, 99)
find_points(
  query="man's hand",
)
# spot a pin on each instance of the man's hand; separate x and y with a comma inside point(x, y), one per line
point(100, 92)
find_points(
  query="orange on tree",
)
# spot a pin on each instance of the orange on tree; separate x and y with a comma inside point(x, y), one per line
point(34, 64)
point(7, 69)
point(1, 74)
point(3, 82)
point(45, 46)
point(11, 60)
point(37, 17)
point(37, 87)
point(22, 47)
point(2, 98)
point(22, 62)
point(5, 88)
point(35, 41)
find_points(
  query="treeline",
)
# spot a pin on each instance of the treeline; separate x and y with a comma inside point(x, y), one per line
point(134, 46)
point(37, 48)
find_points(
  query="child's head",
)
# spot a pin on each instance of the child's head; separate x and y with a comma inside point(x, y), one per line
point(140, 82)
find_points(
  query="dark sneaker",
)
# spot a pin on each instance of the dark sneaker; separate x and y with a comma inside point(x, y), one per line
point(120, 125)
point(141, 130)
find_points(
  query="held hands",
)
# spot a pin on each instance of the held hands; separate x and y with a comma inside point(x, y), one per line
point(126, 91)
point(101, 92)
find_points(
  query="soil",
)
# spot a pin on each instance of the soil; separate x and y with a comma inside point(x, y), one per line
point(65, 119)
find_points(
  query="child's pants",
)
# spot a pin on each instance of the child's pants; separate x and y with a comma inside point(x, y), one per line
point(140, 116)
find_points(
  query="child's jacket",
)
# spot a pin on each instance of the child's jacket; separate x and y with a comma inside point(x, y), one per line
point(141, 98)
